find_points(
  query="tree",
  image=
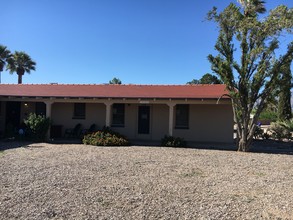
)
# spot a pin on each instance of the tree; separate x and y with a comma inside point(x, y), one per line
point(5, 54)
point(252, 7)
point(115, 81)
point(251, 78)
point(20, 63)
point(210, 79)
point(206, 79)
point(284, 105)
point(194, 81)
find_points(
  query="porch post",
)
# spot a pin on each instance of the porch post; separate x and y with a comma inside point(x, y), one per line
point(48, 115)
point(171, 118)
point(108, 113)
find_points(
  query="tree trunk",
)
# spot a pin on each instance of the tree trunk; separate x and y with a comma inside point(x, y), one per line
point(245, 139)
point(19, 79)
point(244, 144)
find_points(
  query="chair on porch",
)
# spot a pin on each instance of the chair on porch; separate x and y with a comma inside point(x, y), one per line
point(73, 132)
point(91, 129)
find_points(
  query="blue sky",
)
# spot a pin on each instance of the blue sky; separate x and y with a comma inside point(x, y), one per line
point(92, 41)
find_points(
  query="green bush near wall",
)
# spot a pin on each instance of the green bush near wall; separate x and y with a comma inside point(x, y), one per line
point(105, 137)
point(170, 141)
point(37, 127)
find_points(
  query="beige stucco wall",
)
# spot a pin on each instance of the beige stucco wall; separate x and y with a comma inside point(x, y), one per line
point(62, 114)
point(158, 122)
point(129, 121)
point(208, 123)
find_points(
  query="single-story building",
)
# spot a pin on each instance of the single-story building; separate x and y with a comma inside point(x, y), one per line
point(198, 113)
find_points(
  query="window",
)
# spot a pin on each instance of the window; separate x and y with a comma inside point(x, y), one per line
point(118, 111)
point(182, 116)
point(79, 111)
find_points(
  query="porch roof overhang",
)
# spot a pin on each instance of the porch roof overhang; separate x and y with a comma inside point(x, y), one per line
point(112, 92)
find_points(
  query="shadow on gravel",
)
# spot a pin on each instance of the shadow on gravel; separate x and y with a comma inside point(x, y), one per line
point(258, 146)
point(272, 147)
point(6, 144)
point(11, 144)
point(65, 141)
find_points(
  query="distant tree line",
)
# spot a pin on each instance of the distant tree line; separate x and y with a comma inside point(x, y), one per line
point(206, 79)
point(115, 81)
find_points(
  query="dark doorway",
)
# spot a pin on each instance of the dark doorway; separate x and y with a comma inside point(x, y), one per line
point(144, 119)
point(40, 108)
point(12, 116)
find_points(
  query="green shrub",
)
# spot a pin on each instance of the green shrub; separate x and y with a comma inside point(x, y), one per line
point(105, 137)
point(268, 115)
point(288, 124)
point(170, 141)
point(279, 131)
point(38, 126)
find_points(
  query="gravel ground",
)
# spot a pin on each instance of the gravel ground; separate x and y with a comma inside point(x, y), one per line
point(46, 181)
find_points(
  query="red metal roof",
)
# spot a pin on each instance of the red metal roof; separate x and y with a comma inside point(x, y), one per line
point(113, 91)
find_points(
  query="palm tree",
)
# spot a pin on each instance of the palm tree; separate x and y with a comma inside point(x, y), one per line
point(20, 63)
point(5, 54)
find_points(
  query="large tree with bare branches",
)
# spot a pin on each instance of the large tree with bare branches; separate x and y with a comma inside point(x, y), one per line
point(249, 60)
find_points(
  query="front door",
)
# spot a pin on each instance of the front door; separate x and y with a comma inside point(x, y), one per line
point(143, 119)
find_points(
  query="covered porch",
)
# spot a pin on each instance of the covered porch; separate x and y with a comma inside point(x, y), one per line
point(197, 120)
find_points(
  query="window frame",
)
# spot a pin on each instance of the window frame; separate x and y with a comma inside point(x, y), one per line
point(79, 111)
point(118, 114)
point(182, 118)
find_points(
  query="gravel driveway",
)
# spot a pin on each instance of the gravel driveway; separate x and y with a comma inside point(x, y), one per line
point(46, 181)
